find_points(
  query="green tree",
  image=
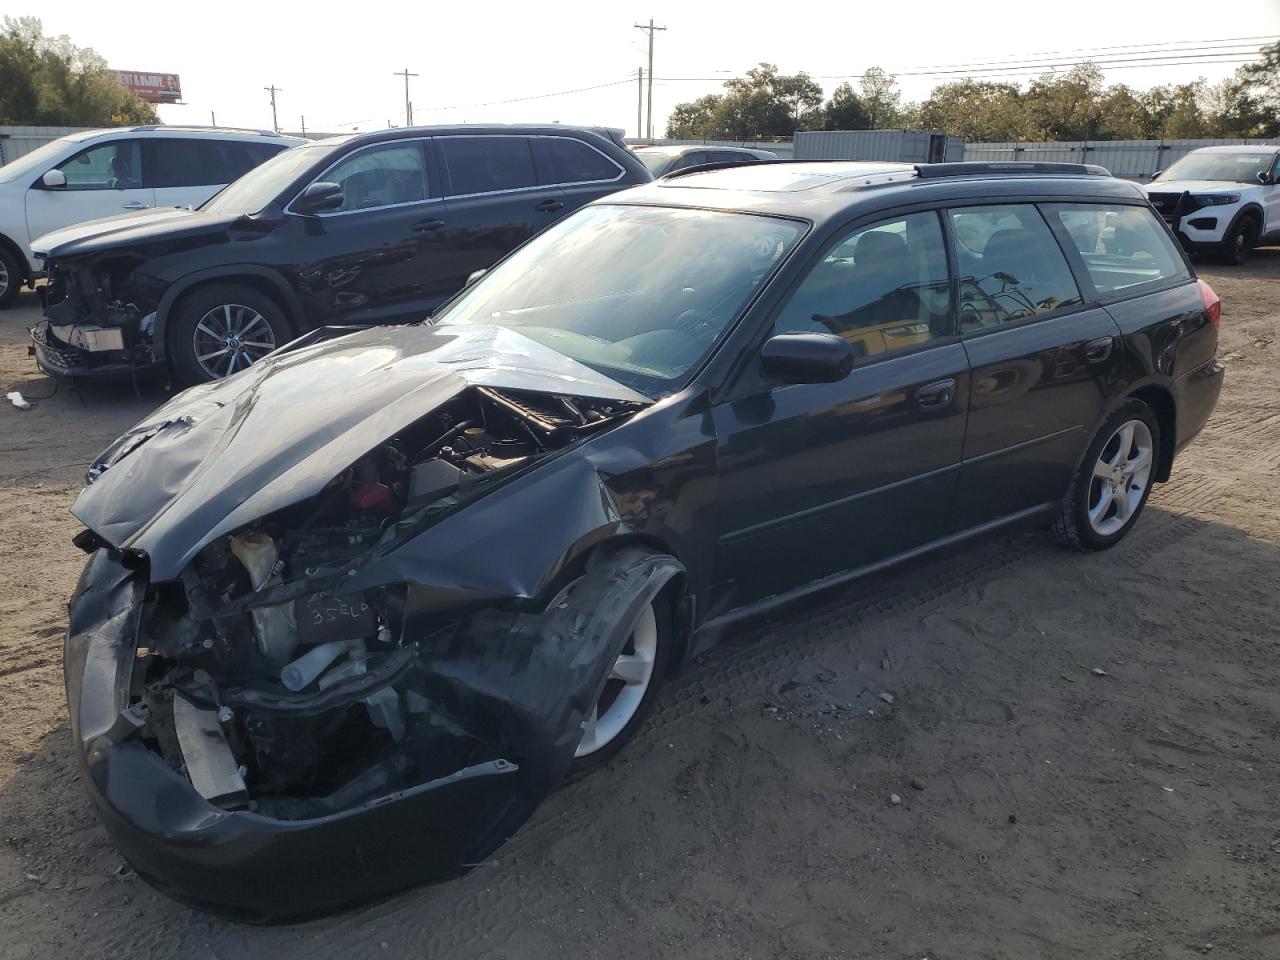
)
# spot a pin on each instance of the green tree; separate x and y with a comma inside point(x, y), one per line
point(50, 81)
point(844, 111)
point(764, 103)
point(880, 97)
point(1066, 107)
point(1260, 83)
point(975, 109)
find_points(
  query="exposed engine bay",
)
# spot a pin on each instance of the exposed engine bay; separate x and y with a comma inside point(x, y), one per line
point(275, 693)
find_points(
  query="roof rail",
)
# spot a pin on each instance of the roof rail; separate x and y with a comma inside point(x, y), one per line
point(197, 126)
point(717, 165)
point(987, 167)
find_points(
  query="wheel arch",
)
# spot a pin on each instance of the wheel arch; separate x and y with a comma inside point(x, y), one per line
point(1160, 399)
point(11, 246)
point(1251, 210)
point(261, 279)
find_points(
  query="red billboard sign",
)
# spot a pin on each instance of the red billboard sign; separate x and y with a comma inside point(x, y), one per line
point(152, 87)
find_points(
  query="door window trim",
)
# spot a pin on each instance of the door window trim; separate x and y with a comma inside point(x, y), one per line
point(59, 164)
point(1088, 296)
point(622, 172)
point(424, 148)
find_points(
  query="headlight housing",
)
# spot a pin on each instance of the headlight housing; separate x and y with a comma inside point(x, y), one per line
point(1216, 199)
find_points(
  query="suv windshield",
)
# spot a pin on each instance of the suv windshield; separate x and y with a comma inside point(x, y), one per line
point(641, 294)
point(265, 182)
point(45, 155)
point(1229, 167)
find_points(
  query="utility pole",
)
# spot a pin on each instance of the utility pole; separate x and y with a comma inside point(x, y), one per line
point(650, 30)
point(213, 119)
point(639, 101)
point(408, 105)
point(273, 90)
point(303, 118)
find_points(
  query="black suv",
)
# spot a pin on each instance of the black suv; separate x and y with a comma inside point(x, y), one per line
point(352, 613)
point(366, 229)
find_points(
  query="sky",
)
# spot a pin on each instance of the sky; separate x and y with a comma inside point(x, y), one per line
point(335, 64)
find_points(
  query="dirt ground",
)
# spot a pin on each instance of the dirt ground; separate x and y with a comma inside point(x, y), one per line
point(1063, 813)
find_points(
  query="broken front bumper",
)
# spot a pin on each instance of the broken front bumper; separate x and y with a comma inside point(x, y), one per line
point(529, 678)
point(78, 350)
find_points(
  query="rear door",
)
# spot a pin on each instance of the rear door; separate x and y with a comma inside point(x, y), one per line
point(494, 200)
point(582, 172)
point(1044, 360)
point(102, 180)
point(816, 479)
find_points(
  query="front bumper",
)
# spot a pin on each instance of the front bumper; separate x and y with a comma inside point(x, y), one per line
point(59, 356)
point(239, 864)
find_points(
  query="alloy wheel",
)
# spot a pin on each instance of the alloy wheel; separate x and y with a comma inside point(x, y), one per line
point(229, 338)
point(4, 278)
point(1120, 477)
point(625, 689)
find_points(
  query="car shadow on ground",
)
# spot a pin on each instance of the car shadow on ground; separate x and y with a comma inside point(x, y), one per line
point(65, 884)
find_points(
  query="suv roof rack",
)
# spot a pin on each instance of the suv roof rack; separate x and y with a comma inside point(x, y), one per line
point(717, 165)
point(987, 167)
point(196, 126)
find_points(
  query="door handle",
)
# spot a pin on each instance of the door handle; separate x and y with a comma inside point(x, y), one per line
point(935, 396)
point(550, 206)
point(1095, 351)
point(426, 226)
point(136, 205)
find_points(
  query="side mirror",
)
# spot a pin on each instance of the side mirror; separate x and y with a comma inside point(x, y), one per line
point(321, 195)
point(474, 276)
point(54, 180)
point(807, 357)
point(1265, 178)
point(1156, 175)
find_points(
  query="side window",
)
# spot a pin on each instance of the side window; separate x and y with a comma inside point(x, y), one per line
point(572, 161)
point(108, 166)
point(724, 156)
point(1122, 246)
point(1010, 266)
point(381, 176)
point(883, 288)
point(691, 159)
point(249, 155)
point(189, 163)
point(486, 164)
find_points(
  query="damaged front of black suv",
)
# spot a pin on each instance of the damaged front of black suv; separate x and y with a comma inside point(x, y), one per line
point(312, 658)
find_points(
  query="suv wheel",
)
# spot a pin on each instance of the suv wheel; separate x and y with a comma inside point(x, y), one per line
point(10, 277)
point(1113, 482)
point(223, 329)
point(1240, 240)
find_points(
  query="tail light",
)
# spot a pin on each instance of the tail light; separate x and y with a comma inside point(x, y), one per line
point(1212, 304)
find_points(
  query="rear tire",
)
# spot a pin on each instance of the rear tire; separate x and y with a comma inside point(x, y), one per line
point(10, 277)
point(1240, 241)
point(222, 329)
point(1113, 481)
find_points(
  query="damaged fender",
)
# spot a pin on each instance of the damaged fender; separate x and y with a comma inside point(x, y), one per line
point(508, 691)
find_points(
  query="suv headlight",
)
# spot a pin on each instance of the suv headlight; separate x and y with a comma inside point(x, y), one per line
point(1217, 199)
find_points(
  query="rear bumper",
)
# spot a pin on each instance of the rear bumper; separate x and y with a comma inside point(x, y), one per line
point(1195, 396)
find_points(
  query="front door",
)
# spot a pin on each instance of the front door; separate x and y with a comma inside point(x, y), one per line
point(817, 479)
point(495, 200)
point(1042, 362)
point(102, 181)
point(375, 258)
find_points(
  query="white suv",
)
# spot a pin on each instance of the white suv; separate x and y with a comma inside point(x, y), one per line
point(102, 173)
point(1221, 200)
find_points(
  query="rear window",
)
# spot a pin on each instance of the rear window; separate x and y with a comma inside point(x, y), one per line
point(572, 161)
point(1123, 247)
point(488, 164)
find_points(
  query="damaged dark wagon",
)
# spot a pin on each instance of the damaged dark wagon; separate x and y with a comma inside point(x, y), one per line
point(351, 614)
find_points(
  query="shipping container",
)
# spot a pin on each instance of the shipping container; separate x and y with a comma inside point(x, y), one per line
point(904, 146)
point(1130, 159)
point(18, 141)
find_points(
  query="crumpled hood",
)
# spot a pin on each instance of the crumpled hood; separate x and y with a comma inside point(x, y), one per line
point(220, 455)
point(127, 229)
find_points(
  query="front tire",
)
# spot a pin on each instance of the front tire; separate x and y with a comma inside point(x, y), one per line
point(1240, 241)
point(10, 277)
point(1113, 482)
point(630, 691)
point(222, 329)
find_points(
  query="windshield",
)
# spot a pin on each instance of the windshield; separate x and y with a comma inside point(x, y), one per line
point(641, 294)
point(1229, 167)
point(655, 160)
point(265, 182)
point(41, 157)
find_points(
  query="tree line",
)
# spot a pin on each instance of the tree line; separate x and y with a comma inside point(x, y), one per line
point(1076, 105)
point(50, 81)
